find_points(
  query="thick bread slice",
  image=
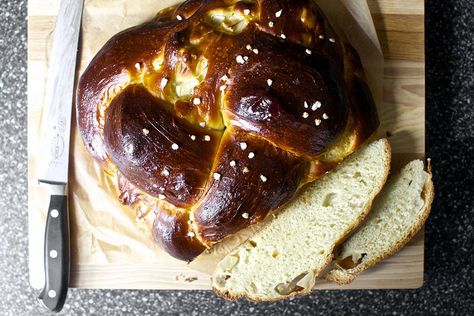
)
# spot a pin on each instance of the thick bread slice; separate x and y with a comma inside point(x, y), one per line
point(287, 254)
point(398, 214)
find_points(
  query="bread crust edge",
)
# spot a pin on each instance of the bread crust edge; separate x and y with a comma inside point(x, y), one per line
point(235, 296)
point(346, 276)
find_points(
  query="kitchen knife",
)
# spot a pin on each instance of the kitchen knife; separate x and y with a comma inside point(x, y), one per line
point(56, 127)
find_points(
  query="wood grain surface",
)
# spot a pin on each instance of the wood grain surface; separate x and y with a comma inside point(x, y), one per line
point(400, 27)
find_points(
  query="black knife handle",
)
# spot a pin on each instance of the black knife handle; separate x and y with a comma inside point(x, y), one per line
point(56, 254)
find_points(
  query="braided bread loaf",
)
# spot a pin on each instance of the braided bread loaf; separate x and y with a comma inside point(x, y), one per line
point(218, 111)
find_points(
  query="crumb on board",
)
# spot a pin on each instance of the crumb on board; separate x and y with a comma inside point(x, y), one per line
point(189, 279)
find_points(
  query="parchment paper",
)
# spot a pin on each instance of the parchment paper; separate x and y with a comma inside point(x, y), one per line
point(102, 230)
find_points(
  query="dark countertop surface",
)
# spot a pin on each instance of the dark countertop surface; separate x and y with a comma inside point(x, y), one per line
point(449, 277)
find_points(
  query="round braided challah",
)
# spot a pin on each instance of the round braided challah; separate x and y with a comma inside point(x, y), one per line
point(218, 111)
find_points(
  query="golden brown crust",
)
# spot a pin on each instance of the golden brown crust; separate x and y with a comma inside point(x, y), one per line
point(140, 133)
point(107, 74)
point(346, 276)
point(250, 178)
point(274, 69)
point(281, 113)
point(173, 231)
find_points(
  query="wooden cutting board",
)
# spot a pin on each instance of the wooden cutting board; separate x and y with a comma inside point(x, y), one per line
point(400, 27)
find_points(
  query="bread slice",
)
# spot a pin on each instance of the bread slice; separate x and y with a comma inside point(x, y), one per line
point(289, 251)
point(398, 214)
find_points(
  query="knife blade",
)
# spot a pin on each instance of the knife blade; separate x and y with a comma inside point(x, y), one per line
point(55, 142)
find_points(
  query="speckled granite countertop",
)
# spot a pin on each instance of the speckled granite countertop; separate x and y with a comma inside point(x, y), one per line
point(449, 280)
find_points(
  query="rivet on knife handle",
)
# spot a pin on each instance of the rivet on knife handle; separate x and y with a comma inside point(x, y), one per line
point(56, 254)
